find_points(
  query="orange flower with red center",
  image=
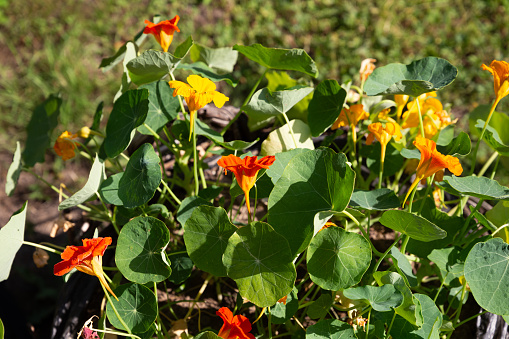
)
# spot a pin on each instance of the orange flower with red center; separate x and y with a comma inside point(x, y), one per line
point(367, 67)
point(351, 117)
point(64, 146)
point(198, 93)
point(500, 72)
point(245, 170)
point(383, 134)
point(234, 327)
point(432, 161)
point(163, 31)
point(86, 258)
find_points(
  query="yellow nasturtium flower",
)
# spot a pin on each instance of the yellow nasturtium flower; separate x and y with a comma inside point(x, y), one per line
point(351, 117)
point(434, 117)
point(197, 94)
point(383, 134)
point(500, 72)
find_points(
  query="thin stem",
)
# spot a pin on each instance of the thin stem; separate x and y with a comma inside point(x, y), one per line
point(49, 249)
point(182, 108)
point(116, 333)
point(474, 154)
point(385, 253)
point(392, 322)
point(426, 193)
point(177, 200)
point(198, 296)
point(367, 324)
point(471, 318)
point(440, 288)
point(291, 130)
point(245, 102)
point(403, 245)
point(115, 310)
point(269, 325)
point(380, 172)
point(464, 229)
point(195, 162)
point(421, 124)
point(488, 164)
point(352, 218)
point(410, 202)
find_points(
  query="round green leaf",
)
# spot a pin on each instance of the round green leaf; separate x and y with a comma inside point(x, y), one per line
point(152, 65)
point(282, 312)
point(95, 179)
point(282, 159)
point(187, 207)
point(14, 171)
point(238, 145)
point(320, 307)
point(181, 267)
point(487, 274)
point(278, 58)
point(267, 103)
point(382, 299)
point(325, 107)
point(141, 178)
point(260, 262)
point(281, 140)
point(206, 235)
point(481, 187)
point(221, 60)
point(162, 106)
point(129, 112)
point(11, 239)
point(421, 76)
point(459, 145)
point(109, 190)
point(414, 226)
point(407, 307)
point(312, 182)
point(330, 329)
point(337, 259)
point(136, 305)
point(140, 254)
point(375, 200)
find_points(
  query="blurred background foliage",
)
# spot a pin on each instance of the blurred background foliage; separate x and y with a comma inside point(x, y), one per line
point(49, 47)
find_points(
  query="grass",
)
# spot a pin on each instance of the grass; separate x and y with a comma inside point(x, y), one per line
point(58, 49)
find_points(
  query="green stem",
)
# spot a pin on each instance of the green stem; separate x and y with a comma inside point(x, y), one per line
point(430, 183)
point(488, 164)
point(471, 318)
point(352, 218)
point(269, 325)
point(195, 162)
point(410, 202)
point(392, 322)
point(291, 130)
point(182, 108)
point(382, 257)
point(403, 245)
point(474, 154)
point(115, 310)
point(464, 229)
point(421, 124)
point(49, 249)
point(367, 324)
point(116, 333)
point(245, 102)
point(440, 288)
point(177, 200)
point(380, 173)
point(110, 216)
point(198, 296)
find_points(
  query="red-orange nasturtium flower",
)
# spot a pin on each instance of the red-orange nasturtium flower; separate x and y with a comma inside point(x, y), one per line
point(432, 161)
point(198, 93)
point(86, 258)
point(245, 170)
point(234, 327)
point(351, 117)
point(64, 146)
point(383, 135)
point(500, 72)
point(367, 67)
point(163, 31)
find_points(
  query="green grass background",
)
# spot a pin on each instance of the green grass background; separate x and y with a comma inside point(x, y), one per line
point(49, 47)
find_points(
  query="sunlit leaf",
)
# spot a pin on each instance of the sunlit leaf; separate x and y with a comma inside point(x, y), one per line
point(205, 71)
point(281, 140)
point(162, 106)
point(378, 200)
point(330, 329)
point(383, 298)
point(481, 187)
point(325, 107)
point(11, 239)
point(11, 181)
point(416, 227)
point(419, 77)
point(221, 60)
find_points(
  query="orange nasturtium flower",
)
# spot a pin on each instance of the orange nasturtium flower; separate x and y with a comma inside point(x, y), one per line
point(383, 135)
point(432, 161)
point(198, 93)
point(367, 67)
point(245, 170)
point(500, 72)
point(163, 31)
point(351, 117)
point(234, 327)
point(86, 258)
point(64, 146)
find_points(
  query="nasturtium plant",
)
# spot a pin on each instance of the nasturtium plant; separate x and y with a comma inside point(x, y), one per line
point(293, 207)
